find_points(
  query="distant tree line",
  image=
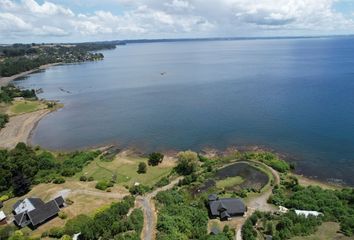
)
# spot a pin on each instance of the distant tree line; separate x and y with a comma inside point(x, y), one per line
point(19, 58)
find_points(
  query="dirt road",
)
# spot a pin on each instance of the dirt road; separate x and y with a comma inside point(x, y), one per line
point(260, 202)
point(19, 128)
point(148, 206)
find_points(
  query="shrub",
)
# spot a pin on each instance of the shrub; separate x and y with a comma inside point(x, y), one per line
point(155, 158)
point(66, 237)
point(103, 185)
point(139, 189)
point(163, 182)
point(59, 180)
point(62, 215)
point(83, 178)
point(4, 198)
point(142, 168)
point(90, 179)
point(56, 232)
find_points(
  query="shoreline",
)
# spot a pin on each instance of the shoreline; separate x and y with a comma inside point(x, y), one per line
point(20, 128)
point(6, 80)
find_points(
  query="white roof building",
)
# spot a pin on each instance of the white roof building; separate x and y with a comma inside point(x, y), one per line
point(308, 213)
point(2, 215)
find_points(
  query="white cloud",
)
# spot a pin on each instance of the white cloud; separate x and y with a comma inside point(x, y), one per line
point(171, 18)
point(46, 8)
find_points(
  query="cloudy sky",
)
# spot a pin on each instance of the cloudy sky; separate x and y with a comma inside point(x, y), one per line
point(90, 20)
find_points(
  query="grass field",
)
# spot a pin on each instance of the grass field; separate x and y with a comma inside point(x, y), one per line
point(229, 182)
point(124, 168)
point(327, 231)
point(23, 106)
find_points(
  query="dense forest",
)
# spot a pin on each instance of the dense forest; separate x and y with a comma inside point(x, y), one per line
point(24, 166)
point(19, 58)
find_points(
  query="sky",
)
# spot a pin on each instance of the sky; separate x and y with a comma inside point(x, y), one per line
point(95, 20)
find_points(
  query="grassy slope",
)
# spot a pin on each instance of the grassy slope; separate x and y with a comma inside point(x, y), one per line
point(327, 231)
point(125, 168)
point(20, 107)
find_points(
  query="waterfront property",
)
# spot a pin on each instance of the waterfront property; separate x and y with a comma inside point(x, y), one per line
point(33, 212)
point(225, 208)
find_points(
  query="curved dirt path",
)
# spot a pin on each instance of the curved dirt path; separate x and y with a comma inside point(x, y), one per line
point(19, 128)
point(148, 206)
point(67, 192)
point(260, 202)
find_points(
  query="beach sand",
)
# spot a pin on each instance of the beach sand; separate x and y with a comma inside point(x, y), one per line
point(6, 80)
point(19, 128)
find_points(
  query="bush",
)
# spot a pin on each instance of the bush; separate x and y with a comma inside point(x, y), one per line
point(139, 189)
point(4, 198)
point(163, 182)
point(103, 185)
point(83, 178)
point(56, 232)
point(142, 168)
point(66, 237)
point(59, 180)
point(270, 159)
point(62, 215)
point(4, 118)
point(90, 179)
point(155, 158)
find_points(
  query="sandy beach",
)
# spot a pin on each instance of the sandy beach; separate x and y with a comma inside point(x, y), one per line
point(6, 80)
point(20, 127)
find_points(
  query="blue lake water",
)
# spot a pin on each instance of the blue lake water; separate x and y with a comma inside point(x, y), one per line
point(295, 96)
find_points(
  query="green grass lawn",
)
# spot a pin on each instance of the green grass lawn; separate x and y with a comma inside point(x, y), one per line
point(26, 106)
point(125, 170)
point(229, 182)
point(327, 231)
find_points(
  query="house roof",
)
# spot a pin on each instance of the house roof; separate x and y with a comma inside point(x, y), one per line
point(36, 211)
point(231, 205)
point(308, 213)
point(59, 200)
point(213, 197)
point(43, 213)
point(224, 215)
point(27, 204)
point(2, 215)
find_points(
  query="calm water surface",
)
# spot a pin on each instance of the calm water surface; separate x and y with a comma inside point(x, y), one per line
point(295, 96)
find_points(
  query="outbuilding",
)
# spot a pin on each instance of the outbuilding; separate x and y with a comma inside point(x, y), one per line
point(2, 218)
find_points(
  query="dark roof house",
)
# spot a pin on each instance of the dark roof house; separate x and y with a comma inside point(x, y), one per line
point(226, 208)
point(34, 212)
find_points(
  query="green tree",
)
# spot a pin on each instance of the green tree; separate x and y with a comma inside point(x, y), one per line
point(155, 158)
point(187, 162)
point(142, 168)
